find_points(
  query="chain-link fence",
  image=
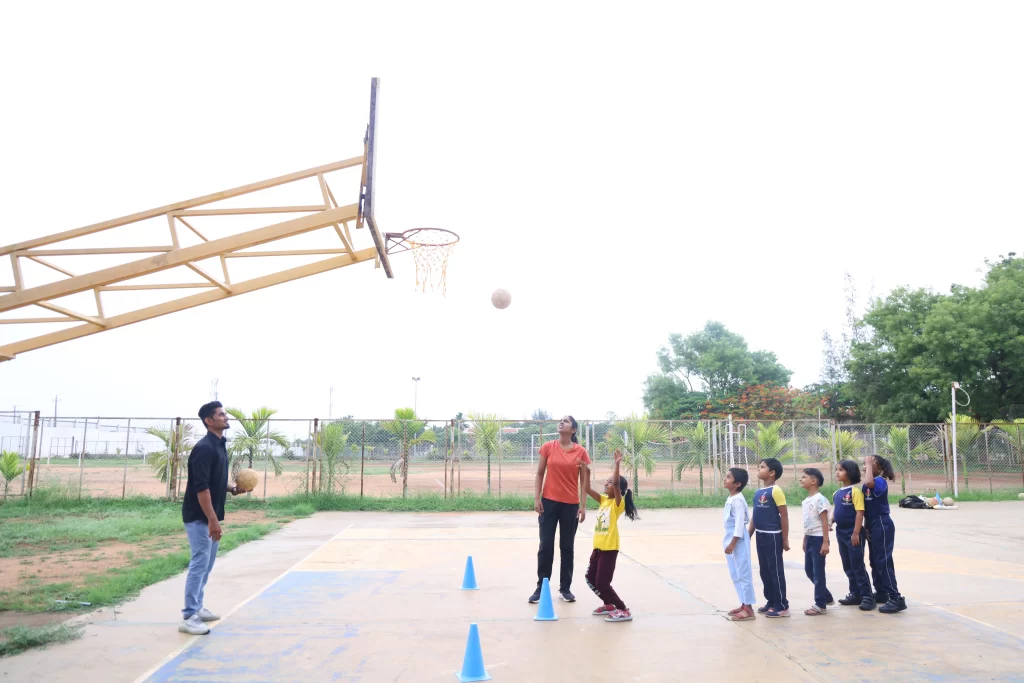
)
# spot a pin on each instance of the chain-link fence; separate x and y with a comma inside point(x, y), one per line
point(122, 457)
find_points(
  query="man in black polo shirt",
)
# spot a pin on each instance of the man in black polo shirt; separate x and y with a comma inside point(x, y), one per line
point(202, 510)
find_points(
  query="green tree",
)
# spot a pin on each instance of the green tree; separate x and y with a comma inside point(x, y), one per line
point(540, 415)
point(897, 447)
point(766, 441)
point(693, 443)
point(666, 397)
point(891, 375)
point(10, 468)
point(718, 361)
point(178, 442)
point(333, 444)
point(409, 431)
point(919, 342)
point(848, 444)
point(257, 439)
point(486, 438)
point(637, 438)
point(970, 434)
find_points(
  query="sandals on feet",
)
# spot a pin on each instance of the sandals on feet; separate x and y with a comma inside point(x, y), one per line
point(742, 614)
point(814, 611)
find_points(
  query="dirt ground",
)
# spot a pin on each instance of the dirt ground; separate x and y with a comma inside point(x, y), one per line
point(514, 478)
point(75, 566)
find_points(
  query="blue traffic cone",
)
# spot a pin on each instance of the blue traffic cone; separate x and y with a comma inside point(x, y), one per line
point(469, 578)
point(545, 609)
point(473, 663)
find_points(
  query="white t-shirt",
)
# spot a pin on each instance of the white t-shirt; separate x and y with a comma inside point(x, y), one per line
point(813, 506)
point(735, 515)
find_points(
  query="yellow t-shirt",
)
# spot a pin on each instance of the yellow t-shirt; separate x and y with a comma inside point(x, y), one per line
point(606, 529)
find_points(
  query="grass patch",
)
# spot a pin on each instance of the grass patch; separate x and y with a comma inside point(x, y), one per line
point(86, 529)
point(20, 638)
point(114, 586)
point(976, 496)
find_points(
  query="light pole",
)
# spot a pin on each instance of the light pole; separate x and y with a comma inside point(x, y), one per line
point(415, 393)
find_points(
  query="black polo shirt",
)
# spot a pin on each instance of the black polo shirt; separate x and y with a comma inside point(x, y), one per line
point(207, 470)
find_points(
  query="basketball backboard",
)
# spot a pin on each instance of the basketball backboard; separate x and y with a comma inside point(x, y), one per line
point(369, 181)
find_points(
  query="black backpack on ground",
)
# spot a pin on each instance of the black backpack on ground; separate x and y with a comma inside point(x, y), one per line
point(914, 503)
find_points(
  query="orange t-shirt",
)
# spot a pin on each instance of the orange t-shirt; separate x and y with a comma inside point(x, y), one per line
point(562, 483)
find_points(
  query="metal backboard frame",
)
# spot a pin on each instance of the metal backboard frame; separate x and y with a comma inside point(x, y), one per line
point(369, 184)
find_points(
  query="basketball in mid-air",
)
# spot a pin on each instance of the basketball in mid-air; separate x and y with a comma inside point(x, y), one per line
point(501, 298)
point(246, 480)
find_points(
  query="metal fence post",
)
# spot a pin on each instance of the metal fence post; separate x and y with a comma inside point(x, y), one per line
point(81, 456)
point(362, 460)
point(266, 459)
point(127, 444)
point(988, 461)
point(792, 431)
point(671, 459)
point(32, 465)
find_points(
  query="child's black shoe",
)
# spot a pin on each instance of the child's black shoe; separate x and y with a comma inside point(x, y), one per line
point(850, 599)
point(868, 604)
point(893, 606)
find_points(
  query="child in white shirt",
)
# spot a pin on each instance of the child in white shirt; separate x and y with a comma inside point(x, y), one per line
point(736, 543)
point(816, 528)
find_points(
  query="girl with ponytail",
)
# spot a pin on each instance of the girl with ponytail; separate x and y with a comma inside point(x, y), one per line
point(881, 533)
point(616, 500)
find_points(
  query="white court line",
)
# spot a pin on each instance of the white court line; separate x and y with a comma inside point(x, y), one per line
point(242, 604)
point(977, 621)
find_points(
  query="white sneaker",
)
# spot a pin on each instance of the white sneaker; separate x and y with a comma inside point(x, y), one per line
point(207, 615)
point(193, 626)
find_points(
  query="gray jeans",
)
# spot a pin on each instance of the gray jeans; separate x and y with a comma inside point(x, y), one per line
point(204, 552)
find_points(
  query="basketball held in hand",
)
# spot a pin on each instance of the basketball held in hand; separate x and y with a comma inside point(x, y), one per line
point(246, 480)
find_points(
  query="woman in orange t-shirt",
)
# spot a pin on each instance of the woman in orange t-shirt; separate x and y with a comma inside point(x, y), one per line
point(557, 500)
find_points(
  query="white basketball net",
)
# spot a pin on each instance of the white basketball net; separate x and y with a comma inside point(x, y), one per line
point(430, 251)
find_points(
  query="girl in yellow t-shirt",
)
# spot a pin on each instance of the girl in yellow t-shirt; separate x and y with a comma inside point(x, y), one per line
point(616, 499)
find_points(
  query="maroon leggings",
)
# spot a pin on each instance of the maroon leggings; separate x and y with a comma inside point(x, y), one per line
point(599, 576)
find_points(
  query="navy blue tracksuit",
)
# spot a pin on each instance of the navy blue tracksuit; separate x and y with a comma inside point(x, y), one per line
point(846, 502)
point(768, 526)
point(881, 537)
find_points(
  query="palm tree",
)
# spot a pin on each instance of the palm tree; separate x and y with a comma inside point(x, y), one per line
point(767, 442)
point(896, 446)
point(332, 440)
point(847, 444)
point(410, 431)
point(968, 432)
point(178, 440)
point(10, 467)
point(1014, 434)
point(635, 436)
point(695, 440)
point(486, 441)
point(256, 439)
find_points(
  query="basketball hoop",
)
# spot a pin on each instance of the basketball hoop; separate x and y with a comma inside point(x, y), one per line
point(430, 249)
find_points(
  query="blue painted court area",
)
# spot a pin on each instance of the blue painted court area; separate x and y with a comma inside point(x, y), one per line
point(295, 630)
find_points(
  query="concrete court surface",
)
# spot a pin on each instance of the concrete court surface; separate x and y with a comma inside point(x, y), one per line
point(375, 597)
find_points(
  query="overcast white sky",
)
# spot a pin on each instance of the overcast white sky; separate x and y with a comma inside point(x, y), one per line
point(627, 170)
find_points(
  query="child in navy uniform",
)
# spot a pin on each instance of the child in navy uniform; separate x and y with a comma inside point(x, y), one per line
point(881, 533)
point(772, 526)
point(848, 516)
